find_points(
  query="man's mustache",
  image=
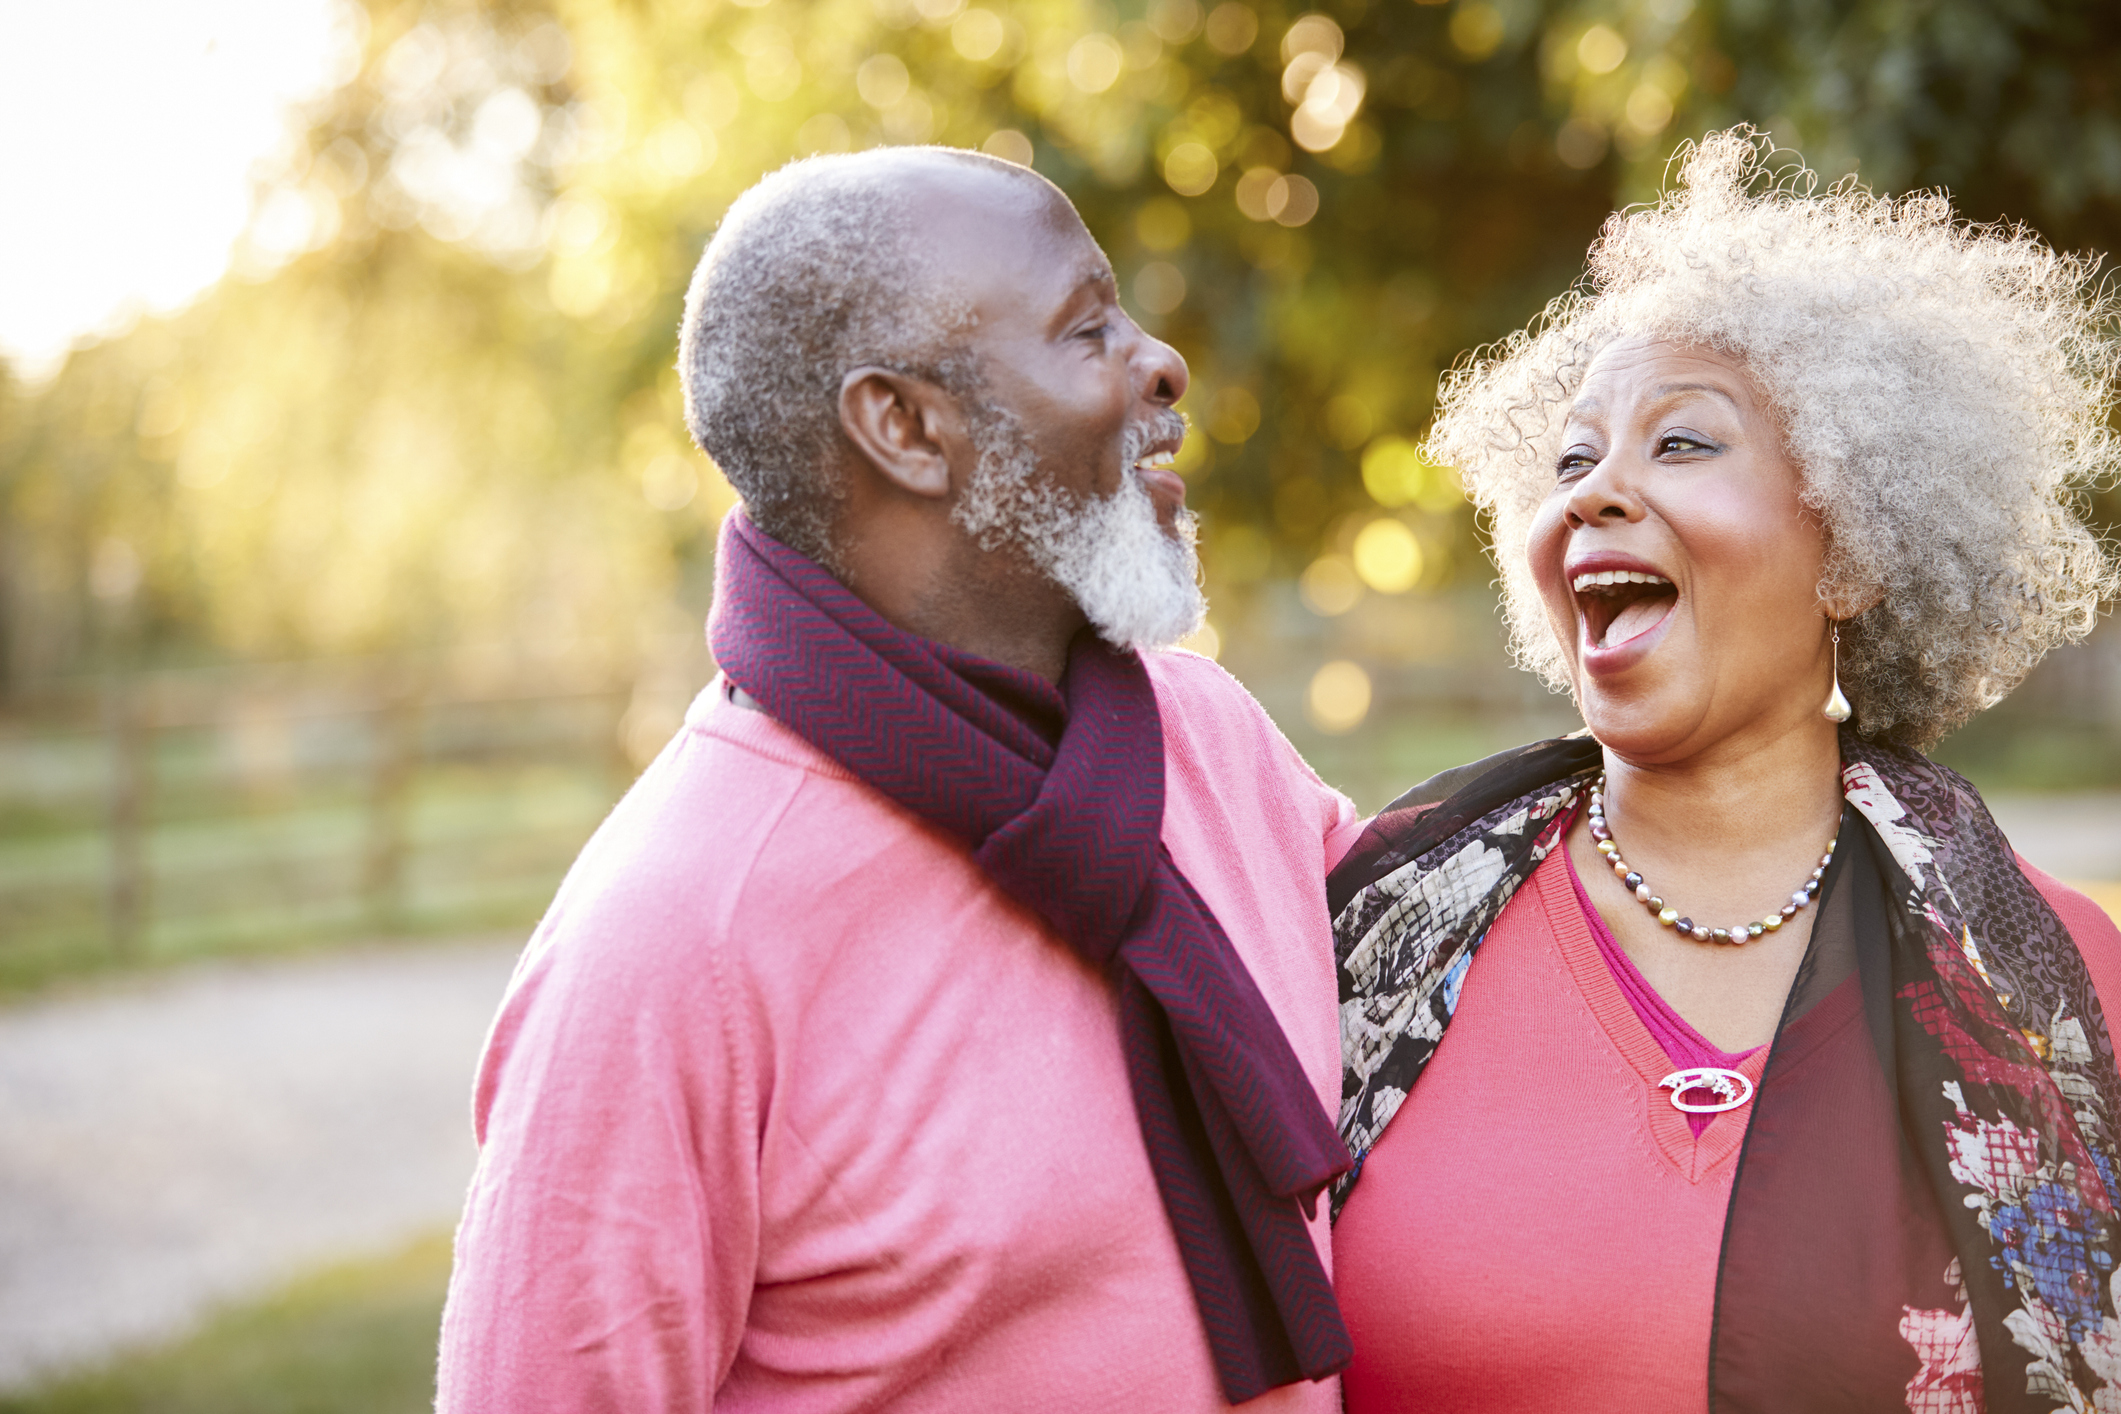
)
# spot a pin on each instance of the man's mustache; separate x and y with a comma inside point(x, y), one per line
point(1167, 426)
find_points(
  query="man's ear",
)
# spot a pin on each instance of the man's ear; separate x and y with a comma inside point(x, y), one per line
point(905, 427)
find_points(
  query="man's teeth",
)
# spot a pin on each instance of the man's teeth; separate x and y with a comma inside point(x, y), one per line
point(1592, 581)
point(1157, 459)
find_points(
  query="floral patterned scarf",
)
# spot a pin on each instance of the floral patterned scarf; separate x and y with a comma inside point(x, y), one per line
point(1931, 1196)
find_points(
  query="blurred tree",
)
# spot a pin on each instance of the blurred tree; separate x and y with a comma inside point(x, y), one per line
point(436, 399)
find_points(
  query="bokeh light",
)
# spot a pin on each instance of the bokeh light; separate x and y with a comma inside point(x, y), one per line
point(1387, 556)
point(1330, 586)
point(127, 164)
point(1339, 697)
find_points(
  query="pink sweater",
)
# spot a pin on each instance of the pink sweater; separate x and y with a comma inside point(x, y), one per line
point(1571, 1264)
point(788, 1108)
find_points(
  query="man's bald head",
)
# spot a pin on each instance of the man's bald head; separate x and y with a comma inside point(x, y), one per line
point(818, 270)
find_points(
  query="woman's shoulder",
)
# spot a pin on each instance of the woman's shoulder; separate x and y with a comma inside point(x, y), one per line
point(2091, 928)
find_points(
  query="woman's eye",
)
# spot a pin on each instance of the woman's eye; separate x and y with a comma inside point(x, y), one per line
point(1575, 463)
point(1681, 443)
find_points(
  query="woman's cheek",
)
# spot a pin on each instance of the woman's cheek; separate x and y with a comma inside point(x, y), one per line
point(1546, 543)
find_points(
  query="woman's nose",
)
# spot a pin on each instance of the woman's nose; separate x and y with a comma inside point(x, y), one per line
point(1604, 496)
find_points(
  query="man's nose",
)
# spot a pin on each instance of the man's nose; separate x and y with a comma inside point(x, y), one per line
point(1162, 370)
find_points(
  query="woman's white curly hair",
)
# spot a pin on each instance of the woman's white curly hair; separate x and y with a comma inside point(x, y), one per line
point(1942, 388)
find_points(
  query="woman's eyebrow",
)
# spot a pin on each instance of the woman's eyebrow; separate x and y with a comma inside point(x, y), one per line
point(1665, 392)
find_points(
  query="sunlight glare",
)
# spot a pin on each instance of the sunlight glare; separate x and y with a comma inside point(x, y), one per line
point(132, 130)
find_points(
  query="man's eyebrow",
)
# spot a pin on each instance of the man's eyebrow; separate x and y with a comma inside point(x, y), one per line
point(1090, 278)
point(1096, 278)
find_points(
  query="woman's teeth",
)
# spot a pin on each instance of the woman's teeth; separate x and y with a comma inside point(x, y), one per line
point(1617, 605)
point(1603, 577)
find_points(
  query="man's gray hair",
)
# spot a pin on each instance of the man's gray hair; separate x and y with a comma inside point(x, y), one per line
point(814, 272)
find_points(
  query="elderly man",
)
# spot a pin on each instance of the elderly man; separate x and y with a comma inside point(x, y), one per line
point(946, 1020)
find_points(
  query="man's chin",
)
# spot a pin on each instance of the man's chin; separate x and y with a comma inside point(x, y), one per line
point(1133, 609)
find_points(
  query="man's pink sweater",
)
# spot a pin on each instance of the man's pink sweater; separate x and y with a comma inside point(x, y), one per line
point(789, 1108)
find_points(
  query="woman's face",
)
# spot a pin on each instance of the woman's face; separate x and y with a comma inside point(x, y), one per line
point(1672, 488)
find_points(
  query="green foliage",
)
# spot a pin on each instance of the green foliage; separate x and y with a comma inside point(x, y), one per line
point(436, 402)
point(358, 1339)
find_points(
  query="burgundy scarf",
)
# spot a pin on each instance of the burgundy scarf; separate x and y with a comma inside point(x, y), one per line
point(1061, 800)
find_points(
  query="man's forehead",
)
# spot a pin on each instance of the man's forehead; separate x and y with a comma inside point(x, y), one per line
point(984, 203)
point(1008, 244)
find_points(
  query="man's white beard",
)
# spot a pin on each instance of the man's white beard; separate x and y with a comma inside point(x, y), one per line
point(1137, 585)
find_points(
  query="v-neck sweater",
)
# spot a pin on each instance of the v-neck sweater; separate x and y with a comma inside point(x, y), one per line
point(1537, 1229)
point(1683, 1046)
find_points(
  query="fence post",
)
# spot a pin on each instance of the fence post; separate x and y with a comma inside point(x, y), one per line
point(396, 730)
point(131, 781)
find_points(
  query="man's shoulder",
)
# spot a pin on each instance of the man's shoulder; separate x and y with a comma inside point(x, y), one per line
point(1208, 712)
point(741, 769)
point(1222, 744)
point(735, 816)
point(728, 775)
point(735, 869)
point(1195, 688)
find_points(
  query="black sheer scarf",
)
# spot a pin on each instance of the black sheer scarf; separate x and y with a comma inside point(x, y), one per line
point(1833, 1235)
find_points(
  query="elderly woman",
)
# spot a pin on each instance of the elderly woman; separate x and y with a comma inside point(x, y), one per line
point(1727, 1056)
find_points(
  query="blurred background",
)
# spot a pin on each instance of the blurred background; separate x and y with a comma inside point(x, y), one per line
point(353, 557)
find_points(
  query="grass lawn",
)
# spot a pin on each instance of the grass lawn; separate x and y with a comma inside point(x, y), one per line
point(357, 1339)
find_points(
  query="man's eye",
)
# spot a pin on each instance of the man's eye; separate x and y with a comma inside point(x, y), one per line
point(1096, 331)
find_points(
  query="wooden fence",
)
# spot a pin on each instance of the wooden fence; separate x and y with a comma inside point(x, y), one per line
point(158, 815)
point(161, 814)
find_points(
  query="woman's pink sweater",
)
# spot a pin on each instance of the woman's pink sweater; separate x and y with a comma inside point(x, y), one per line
point(1538, 1229)
point(789, 1108)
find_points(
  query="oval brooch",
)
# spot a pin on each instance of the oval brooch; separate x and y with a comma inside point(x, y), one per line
point(1729, 1087)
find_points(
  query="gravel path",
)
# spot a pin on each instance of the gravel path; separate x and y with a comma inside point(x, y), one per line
point(167, 1143)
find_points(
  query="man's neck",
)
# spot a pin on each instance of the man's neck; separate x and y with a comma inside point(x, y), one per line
point(932, 580)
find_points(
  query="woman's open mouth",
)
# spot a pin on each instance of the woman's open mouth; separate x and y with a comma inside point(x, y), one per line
point(1619, 605)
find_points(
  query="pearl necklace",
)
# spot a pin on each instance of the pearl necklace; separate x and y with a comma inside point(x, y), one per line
point(1669, 917)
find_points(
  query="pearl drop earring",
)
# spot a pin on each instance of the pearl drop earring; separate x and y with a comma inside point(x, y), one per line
point(1837, 706)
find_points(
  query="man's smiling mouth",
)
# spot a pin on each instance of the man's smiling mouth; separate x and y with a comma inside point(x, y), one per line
point(1159, 455)
point(1617, 605)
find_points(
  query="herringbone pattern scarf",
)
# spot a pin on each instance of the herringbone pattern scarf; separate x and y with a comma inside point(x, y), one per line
point(1069, 823)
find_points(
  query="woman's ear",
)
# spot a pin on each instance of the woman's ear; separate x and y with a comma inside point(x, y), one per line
point(1846, 602)
point(906, 428)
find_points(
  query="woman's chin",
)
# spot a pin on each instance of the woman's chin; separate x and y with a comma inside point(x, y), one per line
point(1642, 720)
